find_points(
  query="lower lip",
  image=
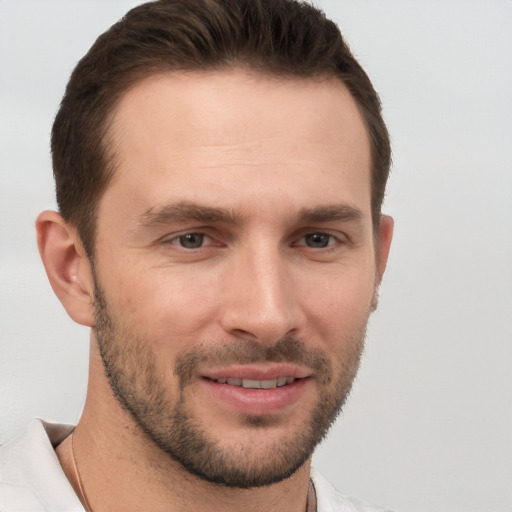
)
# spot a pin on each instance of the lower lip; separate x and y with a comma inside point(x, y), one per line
point(256, 401)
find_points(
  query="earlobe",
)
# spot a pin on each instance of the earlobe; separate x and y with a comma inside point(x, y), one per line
point(67, 266)
point(385, 236)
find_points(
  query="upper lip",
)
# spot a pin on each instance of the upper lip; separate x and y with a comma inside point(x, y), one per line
point(265, 371)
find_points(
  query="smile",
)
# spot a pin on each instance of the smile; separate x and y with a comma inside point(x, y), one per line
point(255, 390)
point(257, 384)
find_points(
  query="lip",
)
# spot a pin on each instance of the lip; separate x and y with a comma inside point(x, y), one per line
point(255, 401)
point(257, 372)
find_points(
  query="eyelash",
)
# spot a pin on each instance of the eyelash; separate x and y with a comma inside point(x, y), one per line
point(331, 239)
point(331, 243)
point(176, 240)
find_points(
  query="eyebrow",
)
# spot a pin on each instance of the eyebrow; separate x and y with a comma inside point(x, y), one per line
point(330, 213)
point(184, 210)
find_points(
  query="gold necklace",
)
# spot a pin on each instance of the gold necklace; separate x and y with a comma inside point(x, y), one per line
point(77, 474)
point(311, 506)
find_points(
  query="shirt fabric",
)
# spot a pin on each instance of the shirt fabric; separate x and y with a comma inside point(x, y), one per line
point(32, 480)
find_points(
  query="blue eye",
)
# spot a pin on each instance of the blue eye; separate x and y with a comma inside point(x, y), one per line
point(191, 240)
point(318, 240)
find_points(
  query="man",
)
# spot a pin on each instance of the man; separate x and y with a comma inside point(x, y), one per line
point(220, 168)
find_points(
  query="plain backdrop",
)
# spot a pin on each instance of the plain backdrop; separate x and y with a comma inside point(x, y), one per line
point(429, 424)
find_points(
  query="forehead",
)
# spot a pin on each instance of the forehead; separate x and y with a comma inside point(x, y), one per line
point(231, 131)
point(230, 99)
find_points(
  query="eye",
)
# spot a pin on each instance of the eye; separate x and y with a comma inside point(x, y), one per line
point(317, 240)
point(191, 240)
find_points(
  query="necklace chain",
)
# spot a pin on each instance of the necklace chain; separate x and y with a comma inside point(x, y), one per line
point(77, 474)
point(311, 507)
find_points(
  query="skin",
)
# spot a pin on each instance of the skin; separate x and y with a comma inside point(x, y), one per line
point(270, 153)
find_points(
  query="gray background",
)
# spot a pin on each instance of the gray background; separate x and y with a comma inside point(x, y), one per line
point(429, 423)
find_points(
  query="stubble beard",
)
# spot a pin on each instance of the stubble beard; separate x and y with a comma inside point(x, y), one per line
point(132, 372)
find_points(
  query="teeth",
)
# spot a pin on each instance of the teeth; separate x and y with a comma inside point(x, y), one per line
point(251, 384)
point(257, 384)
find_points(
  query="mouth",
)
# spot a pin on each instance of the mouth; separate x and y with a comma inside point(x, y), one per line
point(256, 389)
point(256, 384)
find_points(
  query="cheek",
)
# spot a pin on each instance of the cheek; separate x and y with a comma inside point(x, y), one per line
point(338, 305)
point(165, 305)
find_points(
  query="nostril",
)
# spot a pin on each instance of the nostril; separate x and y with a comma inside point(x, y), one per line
point(244, 335)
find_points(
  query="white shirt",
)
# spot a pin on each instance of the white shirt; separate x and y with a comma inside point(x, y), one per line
point(32, 480)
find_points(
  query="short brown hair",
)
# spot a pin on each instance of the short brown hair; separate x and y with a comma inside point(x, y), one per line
point(286, 38)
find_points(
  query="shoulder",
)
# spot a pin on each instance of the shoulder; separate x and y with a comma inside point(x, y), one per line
point(18, 499)
point(330, 500)
point(30, 474)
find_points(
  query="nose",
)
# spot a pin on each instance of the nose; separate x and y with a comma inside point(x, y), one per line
point(260, 301)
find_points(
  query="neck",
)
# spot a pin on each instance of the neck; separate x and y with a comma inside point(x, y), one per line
point(120, 469)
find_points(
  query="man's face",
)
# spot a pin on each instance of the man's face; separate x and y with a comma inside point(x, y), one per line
point(235, 267)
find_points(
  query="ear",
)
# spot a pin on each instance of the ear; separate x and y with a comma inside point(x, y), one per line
point(385, 235)
point(67, 266)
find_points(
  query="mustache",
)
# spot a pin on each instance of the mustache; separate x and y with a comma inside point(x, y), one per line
point(288, 349)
